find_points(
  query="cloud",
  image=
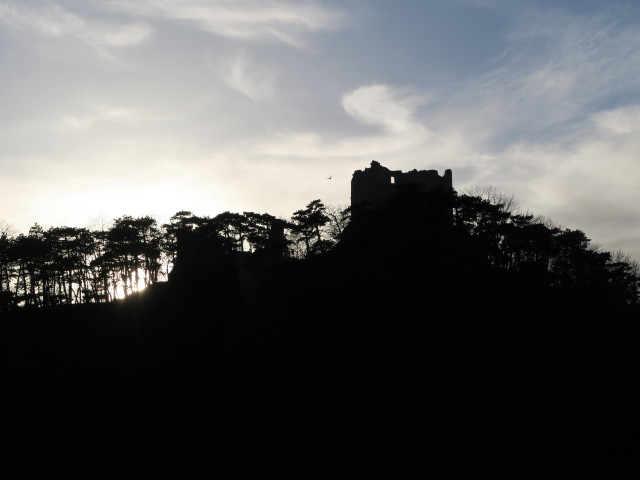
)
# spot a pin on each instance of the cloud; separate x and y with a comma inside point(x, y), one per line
point(109, 114)
point(53, 21)
point(244, 76)
point(537, 104)
point(595, 184)
point(383, 106)
point(559, 69)
point(390, 110)
point(624, 120)
point(554, 121)
point(282, 21)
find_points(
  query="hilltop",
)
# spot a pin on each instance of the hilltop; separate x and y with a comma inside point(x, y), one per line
point(429, 337)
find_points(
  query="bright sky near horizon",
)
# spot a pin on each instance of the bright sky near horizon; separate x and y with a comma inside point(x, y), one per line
point(113, 107)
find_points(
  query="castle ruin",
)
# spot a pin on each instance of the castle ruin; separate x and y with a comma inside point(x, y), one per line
point(377, 184)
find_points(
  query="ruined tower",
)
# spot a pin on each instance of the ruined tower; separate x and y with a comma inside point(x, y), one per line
point(375, 185)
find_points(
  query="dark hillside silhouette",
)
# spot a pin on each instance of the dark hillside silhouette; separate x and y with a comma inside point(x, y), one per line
point(435, 334)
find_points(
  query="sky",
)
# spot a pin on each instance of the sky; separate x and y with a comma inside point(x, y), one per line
point(148, 107)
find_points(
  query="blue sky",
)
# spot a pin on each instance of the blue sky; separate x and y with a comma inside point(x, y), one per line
point(113, 107)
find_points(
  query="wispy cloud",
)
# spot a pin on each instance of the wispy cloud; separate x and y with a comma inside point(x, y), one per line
point(557, 120)
point(619, 121)
point(384, 106)
point(243, 75)
point(390, 110)
point(558, 70)
point(106, 114)
point(53, 21)
point(283, 21)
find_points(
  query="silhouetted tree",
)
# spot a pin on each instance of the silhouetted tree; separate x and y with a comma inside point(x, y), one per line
point(133, 250)
point(69, 274)
point(307, 223)
point(258, 227)
point(30, 253)
point(234, 229)
point(180, 224)
point(339, 218)
point(7, 272)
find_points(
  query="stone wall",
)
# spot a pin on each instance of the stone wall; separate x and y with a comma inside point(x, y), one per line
point(376, 184)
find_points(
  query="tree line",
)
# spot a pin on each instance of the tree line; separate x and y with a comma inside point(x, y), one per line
point(67, 265)
point(545, 254)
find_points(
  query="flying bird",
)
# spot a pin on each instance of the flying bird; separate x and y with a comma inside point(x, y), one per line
point(329, 177)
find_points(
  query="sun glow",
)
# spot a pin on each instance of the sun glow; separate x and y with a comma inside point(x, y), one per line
point(96, 204)
point(138, 283)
